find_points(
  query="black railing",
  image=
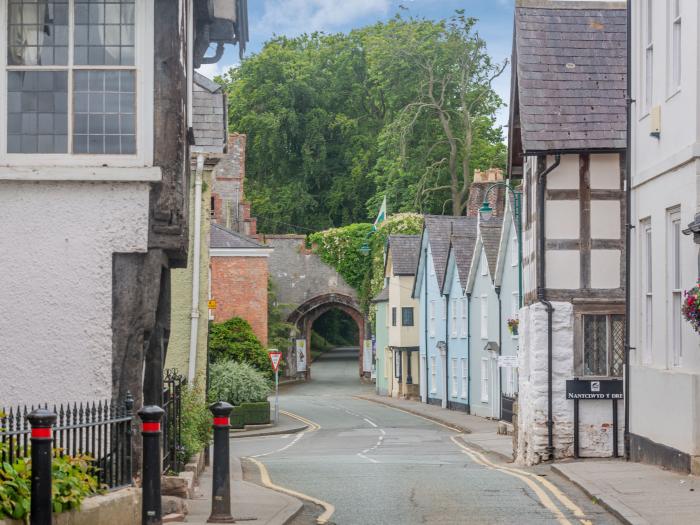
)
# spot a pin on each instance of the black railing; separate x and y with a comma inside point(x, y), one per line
point(101, 431)
point(172, 421)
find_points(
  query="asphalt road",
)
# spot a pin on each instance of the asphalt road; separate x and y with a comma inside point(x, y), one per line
point(377, 465)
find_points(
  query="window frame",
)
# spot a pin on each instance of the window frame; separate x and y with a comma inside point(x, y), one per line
point(675, 290)
point(404, 311)
point(453, 322)
point(433, 374)
point(431, 320)
point(465, 377)
point(675, 46)
point(464, 328)
point(455, 378)
point(647, 34)
point(484, 379)
point(144, 11)
point(646, 288)
point(581, 309)
point(393, 316)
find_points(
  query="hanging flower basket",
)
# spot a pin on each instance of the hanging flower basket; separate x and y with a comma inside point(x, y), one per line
point(691, 307)
point(513, 325)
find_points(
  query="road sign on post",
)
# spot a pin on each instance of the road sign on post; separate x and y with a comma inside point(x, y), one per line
point(275, 358)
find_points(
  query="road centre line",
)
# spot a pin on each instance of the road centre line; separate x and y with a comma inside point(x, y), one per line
point(329, 509)
point(372, 460)
point(291, 443)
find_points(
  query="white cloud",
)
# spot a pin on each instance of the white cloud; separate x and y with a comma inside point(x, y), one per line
point(213, 70)
point(292, 17)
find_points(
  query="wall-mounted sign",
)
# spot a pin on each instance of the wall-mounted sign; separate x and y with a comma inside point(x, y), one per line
point(508, 361)
point(300, 347)
point(594, 389)
point(367, 355)
point(212, 304)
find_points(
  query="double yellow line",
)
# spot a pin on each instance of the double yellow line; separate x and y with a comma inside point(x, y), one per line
point(535, 482)
point(313, 427)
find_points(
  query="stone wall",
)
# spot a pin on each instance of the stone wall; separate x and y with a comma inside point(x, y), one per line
point(595, 425)
point(239, 285)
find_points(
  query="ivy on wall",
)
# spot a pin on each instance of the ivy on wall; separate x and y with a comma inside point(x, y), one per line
point(340, 248)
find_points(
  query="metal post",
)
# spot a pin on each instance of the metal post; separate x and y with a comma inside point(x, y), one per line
point(129, 408)
point(576, 408)
point(221, 487)
point(277, 396)
point(41, 506)
point(615, 430)
point(151, 508)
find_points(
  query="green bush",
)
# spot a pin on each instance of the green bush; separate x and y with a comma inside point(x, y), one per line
point(250, 414)
point(237, 383)
point(74, 479)
point(234, 340)
point(196, 422)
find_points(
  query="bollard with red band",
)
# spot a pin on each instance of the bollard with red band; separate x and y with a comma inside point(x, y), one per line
point(41, 506)
point(221, 487)
point(151, 509)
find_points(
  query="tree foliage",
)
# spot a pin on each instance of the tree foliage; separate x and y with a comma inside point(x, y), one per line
point(234, 340)
point(335, 122)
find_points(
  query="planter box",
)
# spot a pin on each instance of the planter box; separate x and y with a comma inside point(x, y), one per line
point(122, 507)
point(250, 414)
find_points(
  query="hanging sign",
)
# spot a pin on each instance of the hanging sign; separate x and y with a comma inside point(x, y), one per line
point(275, 357)
point(594, 389)
point(300, 347)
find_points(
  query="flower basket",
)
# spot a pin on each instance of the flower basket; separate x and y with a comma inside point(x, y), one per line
point(513, 326)
point(690, 307)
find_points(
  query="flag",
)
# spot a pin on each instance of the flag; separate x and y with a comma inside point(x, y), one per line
point(381, 216)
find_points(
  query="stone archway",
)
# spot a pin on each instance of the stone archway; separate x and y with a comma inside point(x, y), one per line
point(304, 315)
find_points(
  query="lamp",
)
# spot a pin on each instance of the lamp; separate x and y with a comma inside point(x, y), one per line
point(486, 211)
point(365, 249)
point(219, 22)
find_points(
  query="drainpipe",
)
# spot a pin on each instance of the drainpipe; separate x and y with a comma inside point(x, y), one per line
point(425, 327)
point(500, 350)
point(628, 230)
point(542, 296)
point(194, 315)
point(447, 348)
point(469, 353)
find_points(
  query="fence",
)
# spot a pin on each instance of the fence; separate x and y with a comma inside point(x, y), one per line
point(102, 431)
point(173, 384)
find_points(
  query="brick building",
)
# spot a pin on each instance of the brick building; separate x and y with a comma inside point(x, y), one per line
point(239, 275)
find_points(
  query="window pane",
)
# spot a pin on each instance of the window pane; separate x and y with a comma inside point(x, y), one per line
point(617, 344)
point(595, 342)
point(407, 316)
point(37, 32)
point(104, 32)
point(37, 121)
point(104, 111)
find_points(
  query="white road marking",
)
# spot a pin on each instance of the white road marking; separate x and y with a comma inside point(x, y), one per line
point(372, 460)
point(382, 431)
point(371, 422)
point(293, 442)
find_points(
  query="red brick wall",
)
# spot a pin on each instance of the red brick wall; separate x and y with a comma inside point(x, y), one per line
point(239, 285)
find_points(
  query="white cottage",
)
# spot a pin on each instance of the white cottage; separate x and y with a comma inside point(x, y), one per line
point(567, 140)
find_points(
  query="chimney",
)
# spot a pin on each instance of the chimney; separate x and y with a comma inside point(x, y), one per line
point(482, 181)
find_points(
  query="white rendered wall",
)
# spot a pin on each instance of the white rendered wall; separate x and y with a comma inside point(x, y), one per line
point(595, 425)
point(56, 246)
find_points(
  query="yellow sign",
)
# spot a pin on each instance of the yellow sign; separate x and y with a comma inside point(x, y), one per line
point(212, 304)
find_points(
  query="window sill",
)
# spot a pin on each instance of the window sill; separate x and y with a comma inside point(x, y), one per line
point(676, 91)
point(81, 173)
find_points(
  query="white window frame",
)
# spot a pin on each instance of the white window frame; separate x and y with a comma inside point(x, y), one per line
point(433, 374)
point(484, 304)
point(464, 310)
point(143, 65)
point(514, 251)
point(485, 365)
point(675, 283)
point(431, 321)
point(647, 291)
point(675, 45)
point(648, 58)
point(453, 327)
point(465, 377)
point(455, 378)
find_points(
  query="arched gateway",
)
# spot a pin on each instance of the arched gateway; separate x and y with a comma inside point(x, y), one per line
point(306, 287)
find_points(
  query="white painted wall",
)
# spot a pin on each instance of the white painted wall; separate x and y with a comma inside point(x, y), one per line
point(56, 246)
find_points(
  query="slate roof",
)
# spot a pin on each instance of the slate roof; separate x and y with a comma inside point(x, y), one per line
point(440, 229)
point(381, 296)
point(571, 74)
point(491, 239)
point(463, 250)
point(221, 237)
point(208, 116)
point(405, 250)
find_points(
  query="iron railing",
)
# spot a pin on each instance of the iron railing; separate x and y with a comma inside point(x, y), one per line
point(172, 421)
point(102, 431)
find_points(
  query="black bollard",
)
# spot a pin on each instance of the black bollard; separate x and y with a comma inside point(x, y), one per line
point(221, 487)
point(41, 506)
point(151, 509)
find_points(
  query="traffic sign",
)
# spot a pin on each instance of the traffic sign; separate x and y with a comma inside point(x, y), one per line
point(275, 358)
point(212, 304)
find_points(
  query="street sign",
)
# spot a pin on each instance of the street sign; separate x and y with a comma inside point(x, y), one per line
point(212, 304)
point(508, 361)
point(594, 389)
point(275, 357)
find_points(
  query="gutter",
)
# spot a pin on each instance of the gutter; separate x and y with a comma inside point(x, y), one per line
point(628, 230)
point(425, 327)
point(542, 295)
point(194, 314)
point(500, 351)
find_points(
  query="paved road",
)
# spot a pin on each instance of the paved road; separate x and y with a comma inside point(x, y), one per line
point(378, 466)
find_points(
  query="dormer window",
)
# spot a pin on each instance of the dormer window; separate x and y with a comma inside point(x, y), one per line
point(74, 72)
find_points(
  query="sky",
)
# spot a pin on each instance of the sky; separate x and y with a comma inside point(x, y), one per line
point(293, 17)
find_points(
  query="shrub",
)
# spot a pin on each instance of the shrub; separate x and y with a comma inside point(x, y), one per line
point(237, 383)
point(234, 340)
point(74, 479)
point(196, 422)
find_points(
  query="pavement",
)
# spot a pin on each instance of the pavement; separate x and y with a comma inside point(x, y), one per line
point(636, 493)
point(286, 425)
point(249, 501)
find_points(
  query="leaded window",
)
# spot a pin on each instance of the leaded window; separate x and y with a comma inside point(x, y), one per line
point(603, 344)
point(71, 77)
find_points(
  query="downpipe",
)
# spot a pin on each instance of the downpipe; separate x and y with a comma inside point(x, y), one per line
point(196, 253)
point(425, 327)
point(469, 353)
point(447, 349)
point(542, 296)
